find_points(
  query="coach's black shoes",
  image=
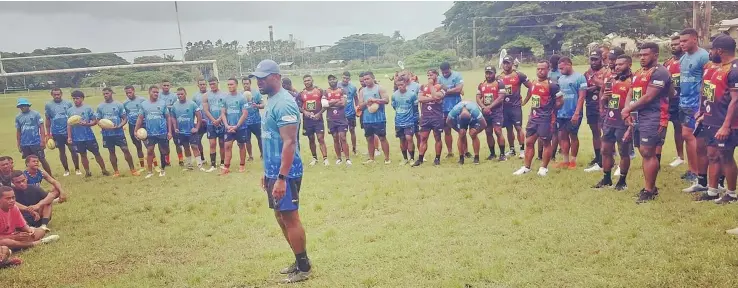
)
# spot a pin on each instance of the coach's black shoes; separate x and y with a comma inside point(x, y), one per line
point(417, 163)
point(645, 196)
point(621, 186)
point(491, 157)
point(436, 161)
point(468, 155)
point(476, 160)
point(604, 183)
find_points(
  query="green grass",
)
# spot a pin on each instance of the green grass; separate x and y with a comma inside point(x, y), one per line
point(381, 226)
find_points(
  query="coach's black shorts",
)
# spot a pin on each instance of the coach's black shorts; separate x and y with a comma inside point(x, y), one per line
point(512, 116)
point(291, 199)
point(254, 129)
point(160, 140)
point(60, 140)
point(37, 150)
point(649, 136)
point(375, 129)
point(85, 146)
point(182, 139)
point(111, 141)
point(615, 135)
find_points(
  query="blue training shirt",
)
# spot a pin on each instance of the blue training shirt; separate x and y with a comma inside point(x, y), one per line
point(80, 132)
point(234, 105)
point(570, 86)
point(133, 109)
point(168, 98)
point(474, 110)
point(29, 124)
point(691, 69)
point(451, 99)
point(554, 76)
point(112, 111)
point(155, 117)
point(281, 110)
point(197, 98)
point(254, 117)
point(405, 105)
point(350, 91)
point(376, 117)
point(58, 114)
point(215, 102)
point(184, 114)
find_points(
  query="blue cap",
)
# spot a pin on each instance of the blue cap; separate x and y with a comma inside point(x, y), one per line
point(265, 68)
point(22, 101)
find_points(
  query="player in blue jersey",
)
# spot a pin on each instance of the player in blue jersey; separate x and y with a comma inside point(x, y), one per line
point(56, 112)
point(466, 116)
point(374, 120)
point(112, 137)
point(253, 121)
point(573, 88)
point(155, 117)
point(35, 176)
point(405, 102)
point(454, 86)
point(30, 134)
point(282, 164)
point(132, 106)
point(234, 110)
point(202, 86)
point(80, 136)
point(186, 121)
point(212, 102)
point(351, 101)
point(170, 98)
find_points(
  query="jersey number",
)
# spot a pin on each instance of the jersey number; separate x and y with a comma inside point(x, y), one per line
point(536, 101)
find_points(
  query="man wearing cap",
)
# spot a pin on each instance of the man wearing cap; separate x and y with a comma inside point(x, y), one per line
point(672, 65)
point(114, 136)
point(80, 135)
point(282, 164)
point(691, 69)
point(546, 98)
point(595, 82)
point(511, 109)
point(490, 95)
point(467, 116)
point(337, 122)
point(57, 114)
point(29, 127)
point(719, 120)
point(351, 100)
point(649, 99)
point(454, 85)
point(312, 115)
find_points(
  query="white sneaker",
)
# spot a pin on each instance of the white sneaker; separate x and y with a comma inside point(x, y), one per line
point(403, 162)
point(211, 169)
point(521, 155)
point(617, 171)
point(595, 168)
point(733, 231)
point(203, 169)
point(677, 161)
point(521, 171)
point(162, 173)
point(50, 239)
point(348, 162)
point(387, 162)
point(369, 161)
point(542, 171)
point(78, 173)
point(377, 153)
point(149, 175)
point(338, 162)
point(632, 154)
point(66, 173)
point(696, 187)
point(43, 227)
point(325, 162)
point(313, 162)
point(222, 166)
point(157, 169)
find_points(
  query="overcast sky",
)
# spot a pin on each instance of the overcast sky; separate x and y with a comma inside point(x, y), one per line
point(116, 26)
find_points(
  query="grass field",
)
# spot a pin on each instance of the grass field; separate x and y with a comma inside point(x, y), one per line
point(381, 226)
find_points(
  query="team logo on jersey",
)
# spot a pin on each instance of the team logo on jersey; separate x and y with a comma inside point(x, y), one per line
point(594, 97)
point(335, 111)
point(507, 99)
point(289, 118)
point(719, 77)
point(707, 108)
point(612, 114)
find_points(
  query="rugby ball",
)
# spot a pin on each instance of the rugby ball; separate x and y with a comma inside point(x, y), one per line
point(74, 119)
point(141, 134)
point(51, 144)
point(373, 108)
point(324, 103)
point(105, 124)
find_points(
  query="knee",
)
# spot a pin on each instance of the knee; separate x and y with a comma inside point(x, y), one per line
point(713, 157)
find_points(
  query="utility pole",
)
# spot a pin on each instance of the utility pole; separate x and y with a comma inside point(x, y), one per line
point(706, 22)
point(695, 15)
point(271, 42)
point(474, 37)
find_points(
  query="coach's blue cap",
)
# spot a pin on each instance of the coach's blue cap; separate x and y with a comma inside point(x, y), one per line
point(265, 68)
point(22, 101)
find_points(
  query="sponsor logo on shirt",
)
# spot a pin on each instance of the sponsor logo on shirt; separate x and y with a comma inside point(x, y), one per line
point(289, 118)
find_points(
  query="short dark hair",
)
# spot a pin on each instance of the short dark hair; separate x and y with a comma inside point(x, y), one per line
point(690, 31)
point(626, 57)
point(362, 74)
point(370, 73)
point(331, 76)
point(651, 46)
point(347, 73)
point(29, 157)
point(244, 79)
point(433, 71)
point(675, 37)
point(445, 66)
point(16, 173)
point(554, 59)
point(78, 94)
point(6, 158)
point(213, 79)
point(306, 76)
point(165, 81)
point(233, 79)
point(286, 80)
point(182, 89)
point(107, 89)
point(153, 87)
point(542, 61)
point(565, 60)
point(55, 89)
point(129, 87)
point(4, 189)
point(401, 78)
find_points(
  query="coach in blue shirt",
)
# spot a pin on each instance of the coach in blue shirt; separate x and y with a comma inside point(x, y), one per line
point(454, 84)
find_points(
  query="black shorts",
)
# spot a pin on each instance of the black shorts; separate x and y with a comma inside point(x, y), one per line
point(351, 121)
point(686, 116)
point(649, 136)
point(203, 128)
point(37, 150)
point(334, 128)
point(241, 136)
point(466, 125)
point(132, 134)
point(85, 146)
point(708, 133)
point(254, 129)
point(312, 127)
point(615, 135)
point(543, 129)
point(674, 114)
point(160, 140)
point(593, 115)
point(291, 199)
point(402, 132)
point(494, 119)
point(375, 129)
point(182, 139)
point(61, 140)
point(564, 124)
point(30, 221)
point(111, 141)
point(512, 116)
point(216, 131)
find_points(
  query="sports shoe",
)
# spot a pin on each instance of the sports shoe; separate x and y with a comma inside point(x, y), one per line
point(468, 155)
point(297, 276)
point(502, 158)
point(542, 171)
point(617, 171)
point(690, 177)
point(594, 168)
point(43, 227)
point(632, 154)
point(313, 162)
point(621, 186)
point(377, 153)
point(403, 162)
point(211, 169)
point(66, 173)
point(348, 162)
point(222, 166)
point(289, 269)
point(417, 163)
point(388, 161)
point(157, 169)
point(521, 171)
point(162, 173)
point(436, 162)
point(250, 159)
point(105, 173)
point(562, 165)
point(339, 161)
point(726, 199)
point(135, 173)
point(696, 187)
point(149, 175)
point(224, 172)
point(77, 172)
point(521, 155)
point(677, 161)
point(116, 174)
point(370, 161)
point(572, 165)
point(189, 167)
point(241, 168)
point(325, 162)
point(476, 161)
point(602, 184)
point(510, 152)
point(181, 163)
point(461, 161)
point(449, 155)
point(733, 231)
point(592, 163)
point(491, 157)
point(645, 196)
point(88, 174)
point(49, 239)
point(706, 197)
